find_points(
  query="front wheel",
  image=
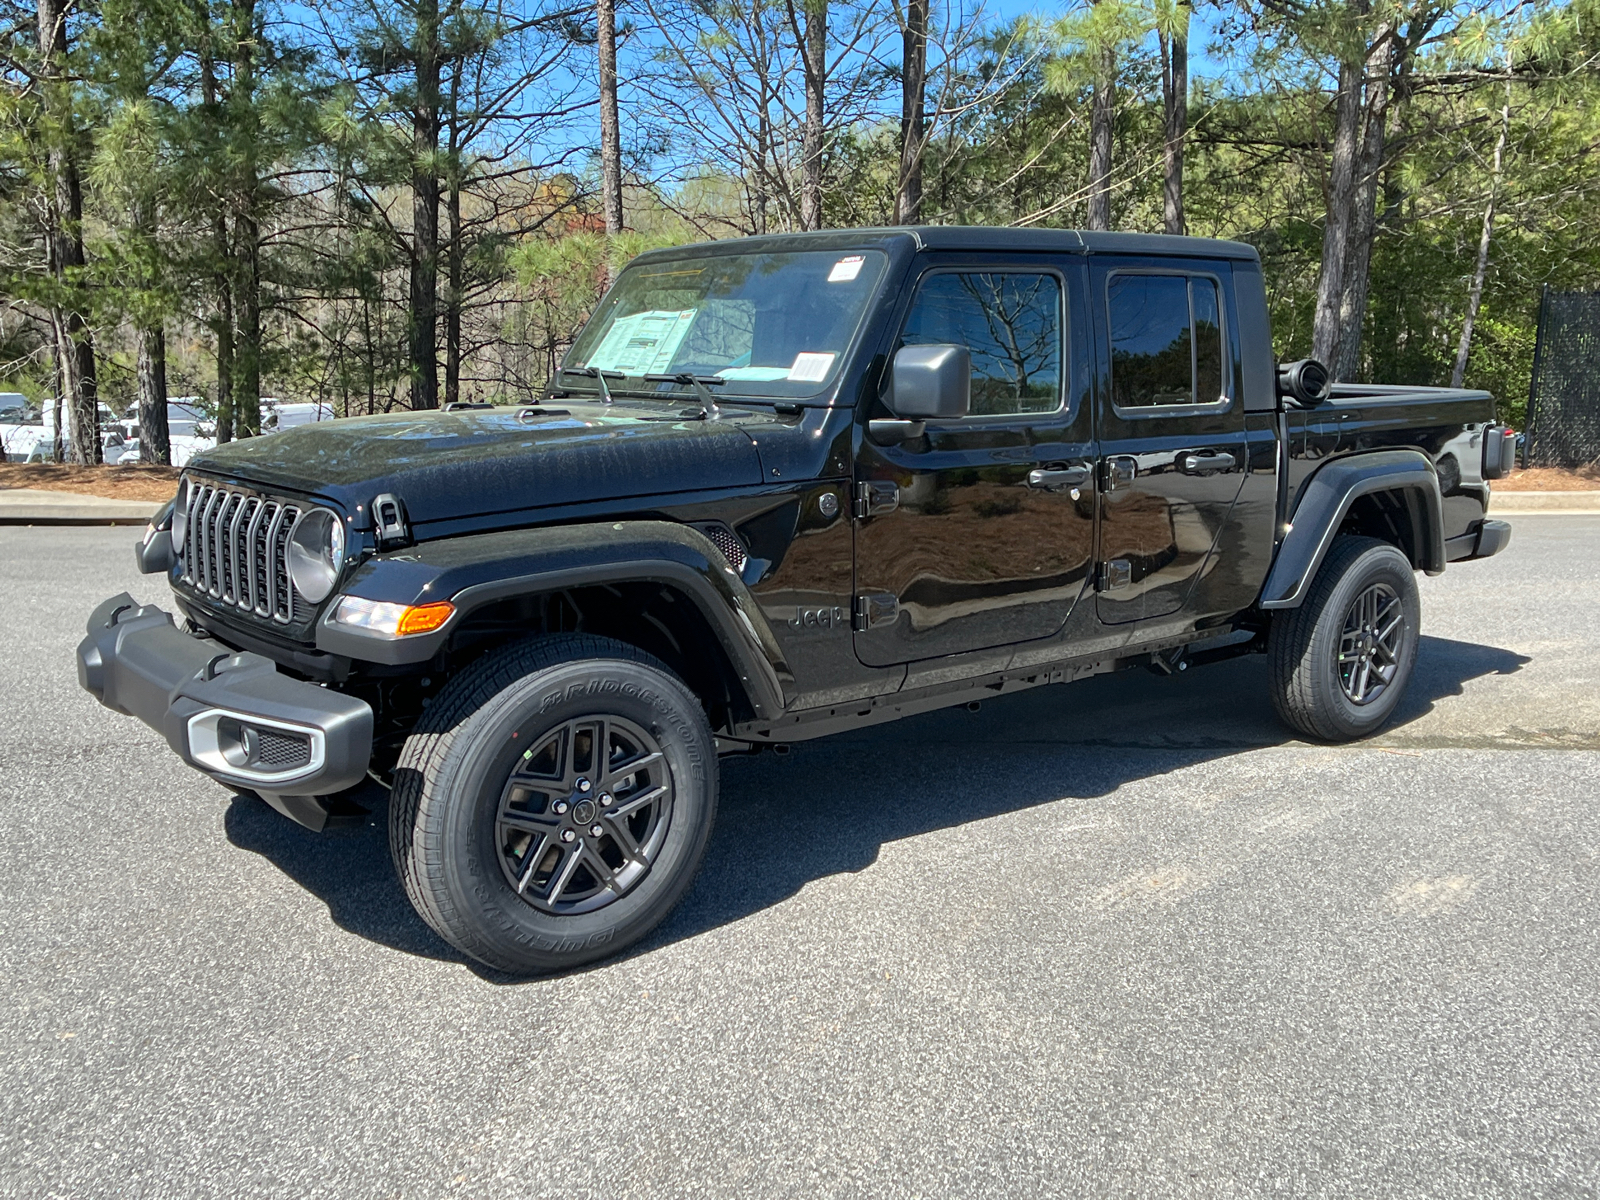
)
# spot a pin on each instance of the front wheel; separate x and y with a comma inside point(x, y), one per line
point(554, 803)
point(1341, 661)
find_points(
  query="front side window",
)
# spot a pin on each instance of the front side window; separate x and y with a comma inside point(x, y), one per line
point(1166, 340)
point(766, 324)
point(1011, 324)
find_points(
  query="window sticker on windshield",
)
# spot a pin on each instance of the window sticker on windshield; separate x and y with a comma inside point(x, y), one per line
point(847, 268)
point(811, 368)
point(642, 343)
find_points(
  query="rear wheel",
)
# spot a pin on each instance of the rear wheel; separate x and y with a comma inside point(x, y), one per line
point(554, 803)
point(1341, 661)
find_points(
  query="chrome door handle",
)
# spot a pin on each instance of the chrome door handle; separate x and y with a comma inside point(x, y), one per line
point(1118, 472)
point(1206, 462)
point(1058, 479)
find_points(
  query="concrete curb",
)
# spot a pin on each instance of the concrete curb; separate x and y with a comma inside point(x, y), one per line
point(1543, 502)
point(35, 506)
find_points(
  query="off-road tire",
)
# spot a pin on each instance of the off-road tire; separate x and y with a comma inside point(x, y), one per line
point(454, 767)
point(1303, 643)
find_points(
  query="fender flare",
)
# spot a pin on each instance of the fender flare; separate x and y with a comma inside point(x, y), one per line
point(479, 569)
point(1327, 497)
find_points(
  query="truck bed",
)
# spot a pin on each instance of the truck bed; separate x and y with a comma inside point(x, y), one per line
point(1446, 424)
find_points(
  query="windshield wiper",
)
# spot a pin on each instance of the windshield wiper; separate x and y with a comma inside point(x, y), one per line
point(599, 376)
point(708, 403)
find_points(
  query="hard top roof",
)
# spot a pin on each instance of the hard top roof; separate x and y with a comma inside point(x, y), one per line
point(976, 237)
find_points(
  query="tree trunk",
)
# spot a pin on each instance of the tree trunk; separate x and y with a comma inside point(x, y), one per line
point(1481, 270)
point(1363, 221)
point(610, 123)
point(1340, 200)
point(425, 211)
point(1175, 103)
point(761, 199)
point(1102, 112)
point(816, 79)
point(453, 289)
point(74, 342)
point(222, 322)
point(247, 351)
point(154, 444)
point(455, 251)
point(913, 113)
point(224, 330)
point(247, 229)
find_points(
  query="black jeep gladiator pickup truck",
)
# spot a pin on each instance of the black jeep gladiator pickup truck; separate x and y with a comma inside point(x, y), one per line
point(782, 487)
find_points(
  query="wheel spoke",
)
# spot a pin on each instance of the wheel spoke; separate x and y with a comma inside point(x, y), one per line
point(563, 873)
point(561, 780)
point(529, 822)
point(1388, 631)
point(599, 735)
point(531, 863)
point(635, 802)
point(617, 827)
point(598, 867)
point(631, 767)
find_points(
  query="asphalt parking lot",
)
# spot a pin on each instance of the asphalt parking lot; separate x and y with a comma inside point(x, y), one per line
point(1123, 937)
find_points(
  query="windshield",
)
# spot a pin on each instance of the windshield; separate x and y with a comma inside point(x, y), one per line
point(773, 325)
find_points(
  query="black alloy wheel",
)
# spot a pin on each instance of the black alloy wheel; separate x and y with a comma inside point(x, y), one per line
point(1372, 644)
point(584, 814)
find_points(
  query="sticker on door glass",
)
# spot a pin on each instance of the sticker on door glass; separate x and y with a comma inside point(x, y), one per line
point(847, 268)
point(811, 368)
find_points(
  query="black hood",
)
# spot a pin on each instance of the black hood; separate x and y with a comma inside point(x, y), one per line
point(479, 462)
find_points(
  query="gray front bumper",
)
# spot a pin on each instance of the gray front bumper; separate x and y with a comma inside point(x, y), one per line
point(298, 739)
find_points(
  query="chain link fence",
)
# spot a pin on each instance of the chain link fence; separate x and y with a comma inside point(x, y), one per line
point(1564, 399)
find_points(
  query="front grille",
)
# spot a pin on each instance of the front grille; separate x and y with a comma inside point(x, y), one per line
point(235, 549)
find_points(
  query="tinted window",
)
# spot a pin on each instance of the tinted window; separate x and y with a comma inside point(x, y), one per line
point(1166, 340)
point(1011, 324)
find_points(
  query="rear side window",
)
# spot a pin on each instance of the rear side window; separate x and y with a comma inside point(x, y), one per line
point(1166, 340)
point(1011, 324)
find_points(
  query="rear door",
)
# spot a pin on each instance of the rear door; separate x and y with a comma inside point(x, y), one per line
point(979, 533)
point(1171, 430)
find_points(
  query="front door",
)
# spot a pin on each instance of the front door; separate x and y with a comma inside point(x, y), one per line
point(979, 533)
point(1171, 433)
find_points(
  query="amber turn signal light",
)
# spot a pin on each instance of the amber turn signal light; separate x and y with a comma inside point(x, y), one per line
point(424, 618)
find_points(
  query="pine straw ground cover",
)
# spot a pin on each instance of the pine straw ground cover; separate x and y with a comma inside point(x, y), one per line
point(114, 483)
point(1552, 479)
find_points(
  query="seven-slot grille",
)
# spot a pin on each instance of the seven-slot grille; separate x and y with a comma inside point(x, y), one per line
point(235, 549)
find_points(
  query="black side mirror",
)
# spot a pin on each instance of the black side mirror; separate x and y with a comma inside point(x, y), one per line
point(931, 383)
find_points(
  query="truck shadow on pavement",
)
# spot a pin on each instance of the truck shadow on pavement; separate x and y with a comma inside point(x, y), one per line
point(828, 808)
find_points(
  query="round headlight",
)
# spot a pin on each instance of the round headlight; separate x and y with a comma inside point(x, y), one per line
point(316, 554)
point(180, 515)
